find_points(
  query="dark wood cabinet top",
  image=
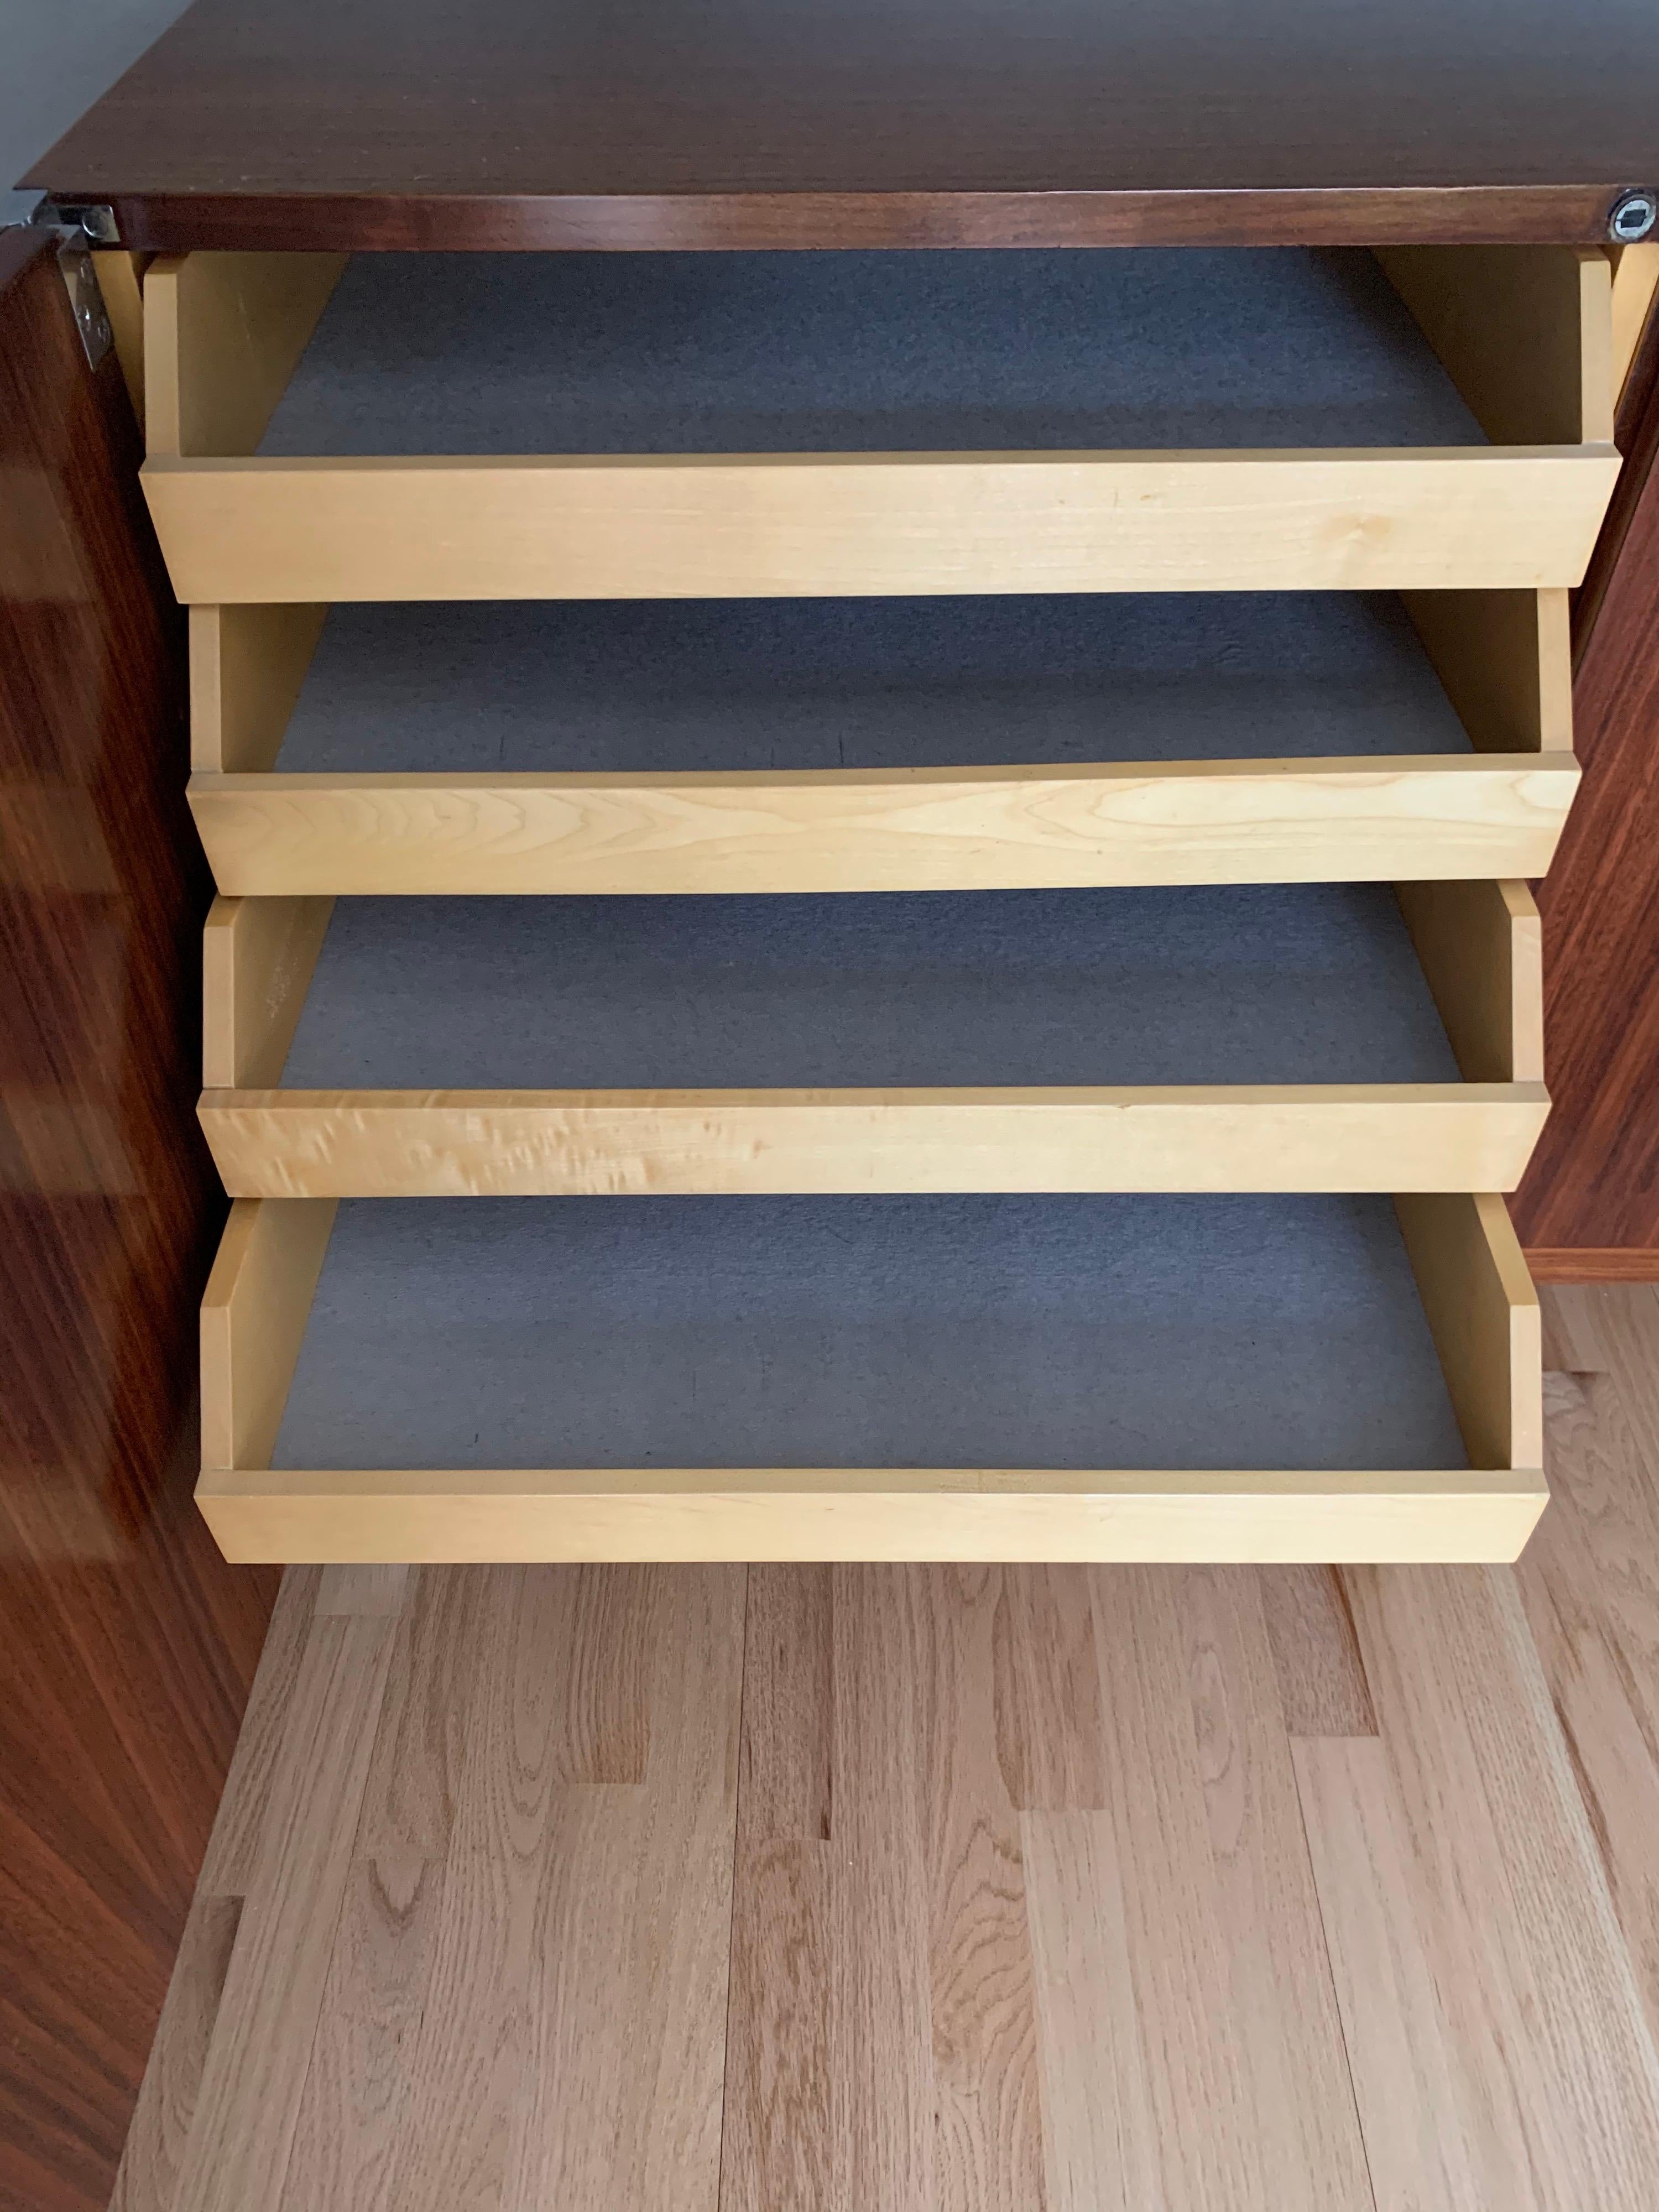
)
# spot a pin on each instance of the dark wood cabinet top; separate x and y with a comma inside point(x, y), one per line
point(720, 123)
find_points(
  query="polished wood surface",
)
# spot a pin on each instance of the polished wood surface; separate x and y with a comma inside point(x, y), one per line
point(126, 1644)
point(726, 124)
point(1020, 1889)
point(1590, 1204)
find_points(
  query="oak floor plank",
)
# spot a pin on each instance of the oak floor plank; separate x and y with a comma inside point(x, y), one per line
point(629, 2001)
point(233, 1847)
point(776, 2148)
point(147, 2176)
point(1561, 2082)
point(436, 1673)
point(1050, 1740)
point(1100, 2153)
point(675, 2015)
point(1589, 1582)
point(248, 2103)
point(1618, 1322)
point(461, 2145)
point(1225, 1952)
point(1406, 2063)
point(1572, 1320)
point(351, 2115)
point(988, 2135)
point(907, 1889)
point(566, 2147)
point(1321, 1683)
point(1284, 1999)
point(882, 2086)
point(602, 1723)
point(372, 1589)
point(1178, 1964)
point(788, 1703)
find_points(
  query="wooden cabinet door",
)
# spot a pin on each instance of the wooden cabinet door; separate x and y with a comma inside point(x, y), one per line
point(126, 1644)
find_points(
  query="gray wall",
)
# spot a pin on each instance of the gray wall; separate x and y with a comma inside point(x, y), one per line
point(55, 58)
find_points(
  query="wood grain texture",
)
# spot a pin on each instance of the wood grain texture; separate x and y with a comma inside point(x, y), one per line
point(1505, 660)
point(1483, 1309)
point(1479, 944)
point(222, 334)
point(253, 2083)
point(1593, 1263)
point(127, 1645)
point(354, 2108)
point(258, 956)
point(1553, 2064)
point(1322, 1689)
point(286, 1145)
point(573, 1974)
point(1218, 1957)
point(254, 1312)
point(1635, 286)
point(1415, 2110)
point(1055, 126)
point(868, 1513)
point(1101, 2141)
point(377, 1590)
point(228, 1868)
point(165, 2111)
point(1218, 1904)
point(1573, 1326)
point(1525, 333)
point(777, 2152)
point(650, 526)
point(246, 665)
point(1591, 1595)
point(1281, 821)
point(1593, 1185)
point(988, 2123)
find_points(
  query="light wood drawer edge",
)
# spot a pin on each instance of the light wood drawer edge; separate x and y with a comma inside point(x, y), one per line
point(262, 532)
point(277, 1144)
point(1365, 820)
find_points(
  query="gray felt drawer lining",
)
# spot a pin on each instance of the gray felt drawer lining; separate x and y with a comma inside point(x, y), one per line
point(591, 687)
point(704, 353)
point(1178, 1332)
point(1247, 984)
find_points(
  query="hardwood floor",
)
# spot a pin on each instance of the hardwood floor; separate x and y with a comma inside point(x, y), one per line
point(913, 1889)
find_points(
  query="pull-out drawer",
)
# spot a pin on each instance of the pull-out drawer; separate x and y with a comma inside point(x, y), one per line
point(1314, 1378)
point(881, 744)
point(660, 425)
point(1330, 1036)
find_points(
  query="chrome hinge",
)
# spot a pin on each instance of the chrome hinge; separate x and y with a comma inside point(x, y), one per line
point(92, 217)
point(79, 227)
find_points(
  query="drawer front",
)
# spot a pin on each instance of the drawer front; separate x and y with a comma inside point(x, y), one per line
point(1490, 518)
point(1479, 948)
point(989, 829)
point(1469, 1277)
point(493, 1144)
point(1501, 661)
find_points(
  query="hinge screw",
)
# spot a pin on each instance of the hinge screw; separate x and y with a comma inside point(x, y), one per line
point(1632, 216)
